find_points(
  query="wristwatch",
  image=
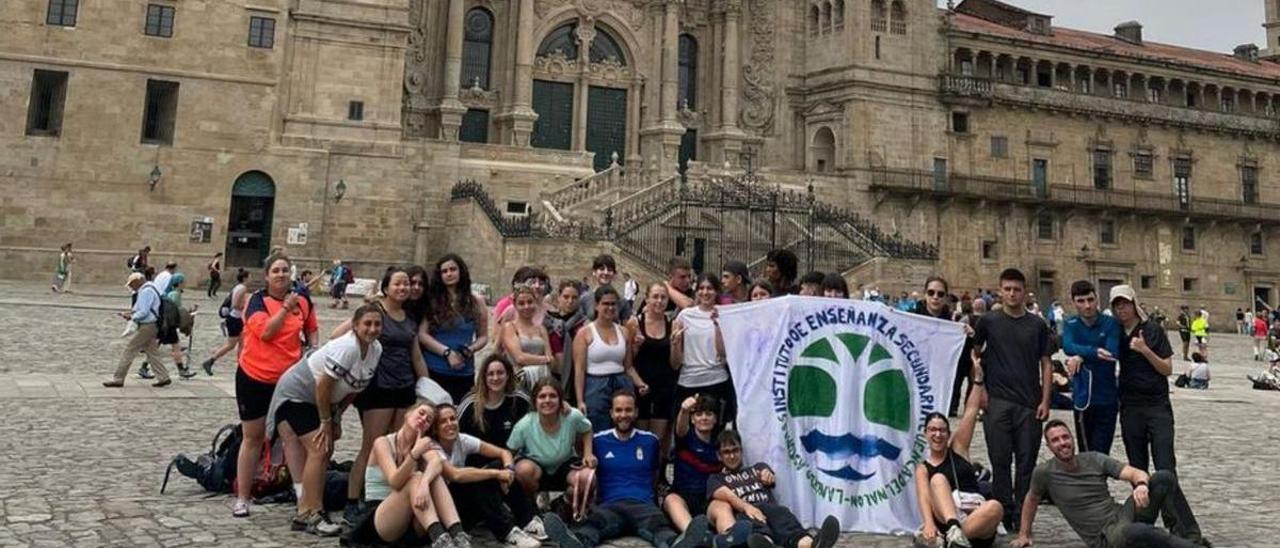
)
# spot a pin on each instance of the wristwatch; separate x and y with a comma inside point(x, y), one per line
point(447, 352)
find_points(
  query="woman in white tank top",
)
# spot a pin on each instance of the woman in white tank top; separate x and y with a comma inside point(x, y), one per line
point(602, 361)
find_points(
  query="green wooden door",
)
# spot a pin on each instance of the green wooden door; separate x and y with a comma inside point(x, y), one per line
point(606, 124)
point(553, 101)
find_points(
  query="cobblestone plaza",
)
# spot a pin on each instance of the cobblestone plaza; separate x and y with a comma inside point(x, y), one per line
point(82, 464)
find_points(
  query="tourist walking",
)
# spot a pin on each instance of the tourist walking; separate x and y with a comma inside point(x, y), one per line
point(62, 273)
point(1013, 347)
point(1200, 332)
point(145, 314)
point(1259, 329)
point(215, 275)
point(306, 410)
point(232, 313)
point(1184, 331)
point(339, 277)
point(170, 334)
point(457, 326)
point(140, 262)
point(697, 352)
point(277, 324)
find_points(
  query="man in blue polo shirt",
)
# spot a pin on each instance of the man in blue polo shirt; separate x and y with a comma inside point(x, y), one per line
point(627, 466)
point(1092, 343)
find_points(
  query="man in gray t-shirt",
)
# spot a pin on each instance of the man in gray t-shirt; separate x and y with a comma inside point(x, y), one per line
point(1077, 484)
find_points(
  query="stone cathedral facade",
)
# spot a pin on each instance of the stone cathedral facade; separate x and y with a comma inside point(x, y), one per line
point(885, 139)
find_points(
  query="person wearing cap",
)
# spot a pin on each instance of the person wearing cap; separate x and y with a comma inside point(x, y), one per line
point(736, 280)
point(1146, 415)
point(145, 313)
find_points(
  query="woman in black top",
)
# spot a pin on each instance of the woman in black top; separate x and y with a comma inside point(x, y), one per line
point(947, 483)
point(650, 331)
point(495, 403)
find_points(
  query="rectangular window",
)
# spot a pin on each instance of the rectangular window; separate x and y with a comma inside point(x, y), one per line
point(475, 126)
point(1040, 177)
point(1147, 282)
point(1044, 225)
point(48, 94)
point(1255, 243)
point(1107, 232)
point(1190, 285)
point(960, 122)
point(1182, 181)
point(1192, 100)
point(1143, 164)
point(1101, 169)
point(999, 146)
point(160, 113)
point(1044, 79)
point(355, 110)
point(989, 250)
point(262, 32)
point(1188, 238)
point(516, 207)
point(1249, 184)
point(62, 13)
point(159, 21)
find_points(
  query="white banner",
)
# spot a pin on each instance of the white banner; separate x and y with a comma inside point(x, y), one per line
point(832, 394)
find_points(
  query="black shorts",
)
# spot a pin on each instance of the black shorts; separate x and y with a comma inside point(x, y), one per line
point(253, 397)
point(376, 397)
point(657, 404)
point(234, 326)
point(302, 417)
point(1186, 337)
point(558, 479)
point(168, 336)
point(697, 502)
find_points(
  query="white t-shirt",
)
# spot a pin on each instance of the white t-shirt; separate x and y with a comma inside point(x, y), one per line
point(340, 360)
point(465, 446)
point(701, 367)
point(161, 280)
point(1200, 372)
point(236, 292)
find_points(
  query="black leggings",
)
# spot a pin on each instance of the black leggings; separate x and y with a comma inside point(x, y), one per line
point(215, 281)
point(483, 502)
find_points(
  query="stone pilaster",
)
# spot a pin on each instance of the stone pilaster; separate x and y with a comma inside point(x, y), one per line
point(451, 109)
point(517, 123)
point(725, 144)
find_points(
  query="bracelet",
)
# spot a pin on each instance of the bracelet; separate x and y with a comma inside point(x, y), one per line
point(330, 419)
point(978, 382)
point(447, 352)
point(1140, 484)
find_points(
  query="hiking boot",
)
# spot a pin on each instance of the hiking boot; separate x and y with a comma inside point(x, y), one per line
point(829, 533)
point(695, 534)
point(316, 523)
point(757, 540)
point(517, 538)
point(207, 365)
point(163, 383)
point(144, 372)
point(559, 533)
point(736, 535)
point(955, 537)
point(536, 529)
point(461, 540)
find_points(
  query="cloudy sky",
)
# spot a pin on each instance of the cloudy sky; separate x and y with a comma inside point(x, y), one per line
point(1215, 25)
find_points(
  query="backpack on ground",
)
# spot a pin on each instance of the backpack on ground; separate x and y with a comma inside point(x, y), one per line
point(216, 470)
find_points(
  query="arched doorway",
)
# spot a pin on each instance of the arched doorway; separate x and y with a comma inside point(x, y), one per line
point(253, 200)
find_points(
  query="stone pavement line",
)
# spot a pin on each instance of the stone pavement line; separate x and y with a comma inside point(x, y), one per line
point(86, 386)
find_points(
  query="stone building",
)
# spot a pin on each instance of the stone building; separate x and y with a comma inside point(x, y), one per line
point(886, 139)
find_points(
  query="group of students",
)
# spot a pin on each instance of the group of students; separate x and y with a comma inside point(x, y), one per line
point(593, 395)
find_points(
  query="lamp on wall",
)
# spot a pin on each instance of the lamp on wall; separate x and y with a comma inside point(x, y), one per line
point(154, 179)
point(339, 191)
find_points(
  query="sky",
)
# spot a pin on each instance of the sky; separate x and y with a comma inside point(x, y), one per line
point(1214, 25)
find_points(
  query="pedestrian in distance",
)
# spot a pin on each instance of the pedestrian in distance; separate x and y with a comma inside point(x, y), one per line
point(62, 273)
point(145, 314)
point(215, 275)
point(232, 314)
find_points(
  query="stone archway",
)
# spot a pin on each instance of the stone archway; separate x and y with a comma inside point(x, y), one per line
point(249, 221)
point(822, 150)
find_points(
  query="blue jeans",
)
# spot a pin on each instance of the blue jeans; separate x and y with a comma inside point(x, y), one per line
point(597, 392)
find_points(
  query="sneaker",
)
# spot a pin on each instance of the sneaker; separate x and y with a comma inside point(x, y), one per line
point(113, 384)
point(461, 540)
point(536, 529)
point(695, 534)
point(443, 541)
point(559, 533)
point(828, 534)
point(757, 540)
point(144, 372)
point(207, 365)
point(163, 383)
point(241, 509)
point(955, 537)
point(520, 539)
point(1001, 530)
point(735, 536)
point(318, 524)
point(185, 372)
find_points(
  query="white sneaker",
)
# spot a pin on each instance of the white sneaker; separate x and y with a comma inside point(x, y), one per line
point(521, 539)
point(955, 537)
point(536, 529)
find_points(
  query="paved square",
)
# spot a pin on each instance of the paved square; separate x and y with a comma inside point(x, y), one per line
point(82, 464)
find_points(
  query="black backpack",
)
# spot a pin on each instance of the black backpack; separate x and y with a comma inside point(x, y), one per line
point(215, 470)
point(169, 316)
point(224, 310)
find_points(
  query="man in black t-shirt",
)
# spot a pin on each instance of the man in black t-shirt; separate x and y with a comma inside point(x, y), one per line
point(1011, 357)
point(1146, 361)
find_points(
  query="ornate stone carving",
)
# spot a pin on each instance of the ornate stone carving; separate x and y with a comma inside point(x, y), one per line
point(478, 97)
point(415, 74)
point(628, 10)
point(543, 7)
point(555, 63)
point(585, 34)
point(609, 69)
point(688, 118)
point(758, 93)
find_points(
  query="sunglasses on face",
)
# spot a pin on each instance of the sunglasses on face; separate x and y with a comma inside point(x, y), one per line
point(934, 293)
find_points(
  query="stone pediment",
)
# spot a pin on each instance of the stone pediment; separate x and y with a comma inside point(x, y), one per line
point(822, 109)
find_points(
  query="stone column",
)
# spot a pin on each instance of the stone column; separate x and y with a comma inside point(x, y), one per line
point(451, 109)
point(586, 32)
point(670, 61)
point(725, 144)
point(519, 120)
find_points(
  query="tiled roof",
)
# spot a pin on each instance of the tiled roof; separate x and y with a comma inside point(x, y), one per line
point(1109, 45)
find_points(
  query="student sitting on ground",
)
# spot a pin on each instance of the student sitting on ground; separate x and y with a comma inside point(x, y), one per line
point(544, 441)
point(484, 494)
point(749, 491)
point(1198, 373)
point(696, 459)
point(1077, 484)
point(947, 483)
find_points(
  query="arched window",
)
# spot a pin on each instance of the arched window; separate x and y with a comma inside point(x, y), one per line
point(562, 40)
point(604, 47)
point(824, 23)
point(813, 21)
point(879, 16)
point(688, 72)
point(898, 18)
point(837, 14)
point(477, 43)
